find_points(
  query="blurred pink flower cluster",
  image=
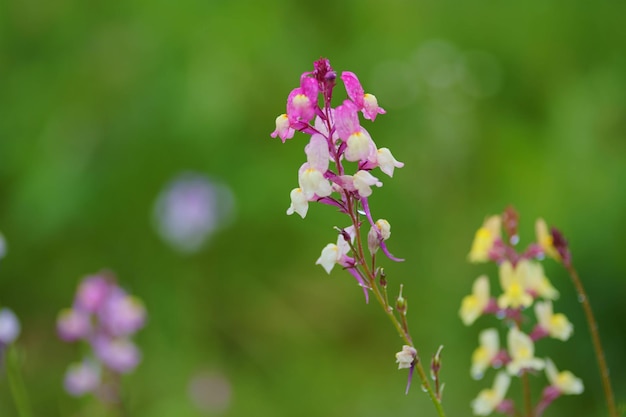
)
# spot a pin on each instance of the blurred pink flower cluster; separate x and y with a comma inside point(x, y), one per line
point(105, 317)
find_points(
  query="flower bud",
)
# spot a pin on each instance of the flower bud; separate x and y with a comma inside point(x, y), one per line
point(401, 304)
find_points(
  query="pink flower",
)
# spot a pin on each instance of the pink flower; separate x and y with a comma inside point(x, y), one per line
point(366, 103)
point(283, 129)
point(73, 324)
point(82, 378)
point(302, 101)
point(91, 293)
point(122, 314)
point(346, 120)
point(120, 355)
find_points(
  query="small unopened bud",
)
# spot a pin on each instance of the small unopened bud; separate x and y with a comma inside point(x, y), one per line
point(382, 278)
point(510, 221)
point(435, 364)
point(401, 304)
point(560, 244)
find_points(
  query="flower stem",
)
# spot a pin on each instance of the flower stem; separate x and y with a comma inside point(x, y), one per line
point(16, 383)
point(595, 338)
point(528, 405)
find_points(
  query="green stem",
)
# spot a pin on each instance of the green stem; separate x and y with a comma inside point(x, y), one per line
point(595, 338)
point(528, 405)
point(16, 382)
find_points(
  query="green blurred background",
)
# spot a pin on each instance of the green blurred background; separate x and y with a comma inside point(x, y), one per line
point(488, 103)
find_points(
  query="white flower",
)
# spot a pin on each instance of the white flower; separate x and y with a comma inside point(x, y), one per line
point(489, 399)
point(405, 357)
point(334, 253)
point(564, 381)
point(483, 355)
point(387, 162)
point(358, 146)
point(363, 181)
point(299, 203)
point(522, 352)
point(312, 182)
point(557, 325)
point(474, 304)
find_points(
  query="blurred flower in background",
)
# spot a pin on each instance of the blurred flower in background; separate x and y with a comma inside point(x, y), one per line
point(105, 316)
point(210, 391)
point(3, 246)
point(190, 209)
point(9, 328)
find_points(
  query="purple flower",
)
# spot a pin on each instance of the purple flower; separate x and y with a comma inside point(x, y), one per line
point(3, 246)
point(82, 378)
point(92, 293)
point(121, 355)
point(9, 327)
point(122, 314)
point(104, 316)
point(190, 209)
point(73, 324)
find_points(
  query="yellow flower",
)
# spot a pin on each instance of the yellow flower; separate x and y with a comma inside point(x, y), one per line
point(484, 354)
point(537, 282)
point(522, 352)
point(564, 381)
point(489, 399)
point(513, 282)
point(484, 239)
point(544, 239)
point(557, 325)
point(474, 304)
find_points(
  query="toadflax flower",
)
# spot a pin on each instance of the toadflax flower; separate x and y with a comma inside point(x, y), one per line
point(512, 280)
point(554, 325)
point(336, 253)
point(378, 233)
point(405, 357)
point(105, 317)
point(565, 382)
point(366, 103)
point(484, 239)
point(522, 352)
point(561, 383)
point(485, 354)
point(474, 305)
point(536, 281)
point(544, 239)
point(490, 399)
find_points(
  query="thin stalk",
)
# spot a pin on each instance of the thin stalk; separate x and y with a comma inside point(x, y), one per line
point(407, 339)
point(16, 383)
point(528, 405)
point(595, 338)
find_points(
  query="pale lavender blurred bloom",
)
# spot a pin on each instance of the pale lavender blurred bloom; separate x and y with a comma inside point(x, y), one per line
point(92, 293)
point(9, 327)
point(120, 355)
point(190, 209)
point(3, 246)
point(82, 378)
point(73, 324)
point(122, 314)
point(210, 391)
